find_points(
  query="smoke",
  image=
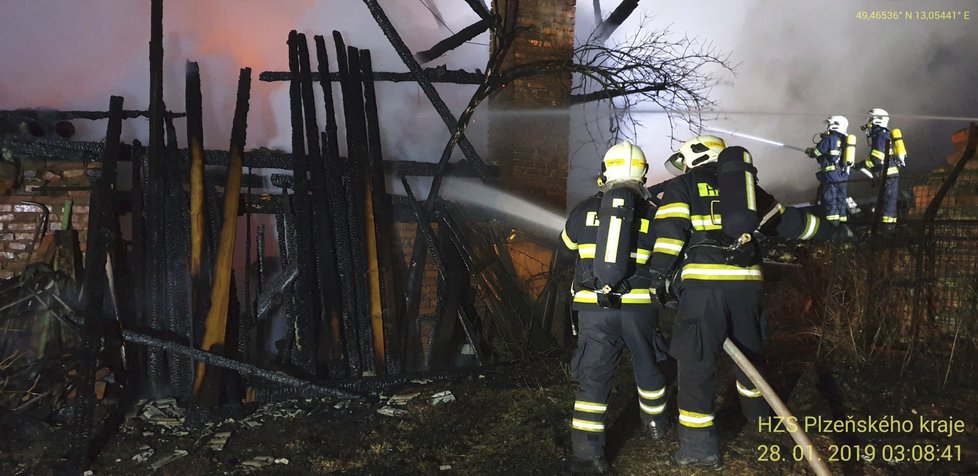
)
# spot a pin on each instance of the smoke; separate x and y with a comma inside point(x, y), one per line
point(58, 55)
point(809, 60)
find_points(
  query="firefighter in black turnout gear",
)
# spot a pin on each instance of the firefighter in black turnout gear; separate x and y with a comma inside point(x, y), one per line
point(612, 235)
point(706, 218)
point(883, 142)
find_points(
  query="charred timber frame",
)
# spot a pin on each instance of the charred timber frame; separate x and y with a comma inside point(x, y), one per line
point(307, 305)
point(153, 198)
point(335, 172)
point(452, 42)
point(100, 238)
point(326, 344)
point(348, 60)
point(216, 326)
point(381, 220)
point(429, 89)
point(440, 74)
point(179, 319)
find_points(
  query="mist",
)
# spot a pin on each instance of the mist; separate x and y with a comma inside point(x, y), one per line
point(796, 63)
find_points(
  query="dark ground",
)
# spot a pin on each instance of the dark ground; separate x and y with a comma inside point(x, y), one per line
point(515, 419)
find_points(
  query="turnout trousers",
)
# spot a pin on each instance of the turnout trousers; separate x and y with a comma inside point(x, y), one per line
point(834, 188)
point(602, 335)
point(891, 191)
point(707, 316)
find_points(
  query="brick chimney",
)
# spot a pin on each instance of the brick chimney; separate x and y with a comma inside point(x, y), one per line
point(531, 149)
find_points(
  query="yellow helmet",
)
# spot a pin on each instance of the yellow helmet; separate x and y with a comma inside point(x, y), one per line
point(701, 150)
point(624, 161)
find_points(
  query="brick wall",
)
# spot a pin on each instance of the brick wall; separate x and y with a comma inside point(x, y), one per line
point(404, 238)
point(19, 222)
point(528, 140)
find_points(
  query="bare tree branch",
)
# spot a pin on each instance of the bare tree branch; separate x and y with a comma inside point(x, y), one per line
point(452, 42)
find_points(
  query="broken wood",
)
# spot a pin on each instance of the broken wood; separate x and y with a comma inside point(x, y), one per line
point(195, 144)
point(216, 324)
point(210, 358)
point(617, 17)
point(452, 42)
point(307, 306)
point(440, 74)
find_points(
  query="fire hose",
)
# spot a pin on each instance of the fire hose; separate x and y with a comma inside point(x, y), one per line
point(813, 457)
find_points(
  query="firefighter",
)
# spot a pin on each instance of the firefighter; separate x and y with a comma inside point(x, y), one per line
point(718, 284)
point(833, 175)
point(883, 143)
point(612, 235)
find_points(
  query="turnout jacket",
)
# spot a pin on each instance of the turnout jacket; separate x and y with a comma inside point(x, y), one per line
point(878, 138)
point(688, 227)
point(828, 151)
point(580, 234)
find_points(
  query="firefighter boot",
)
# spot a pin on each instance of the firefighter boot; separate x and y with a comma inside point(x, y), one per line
point(596, 465)
point(658, 428)
point(697, 447)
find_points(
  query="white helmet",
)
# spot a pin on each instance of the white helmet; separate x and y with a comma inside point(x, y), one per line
point(701, 150)
point(624, 161)
point(878, 117)
point(837, 123)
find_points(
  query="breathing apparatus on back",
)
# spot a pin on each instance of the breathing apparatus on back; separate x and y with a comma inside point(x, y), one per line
point(622, 182)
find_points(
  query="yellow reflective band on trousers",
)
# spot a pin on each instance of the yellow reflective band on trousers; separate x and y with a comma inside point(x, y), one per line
point(721, 272)
point(829, 168)
point(585, 425)
point(695, 420)
point(590, 407)
point(668, 246)
point(672, 210)
point(877, 153)
point(748, 392)
point(893, 171)
point(835, 151)
point(567, 241)
point(651, 395)
point(887, 219)
point(652, 410)
point(832, 217)
point(636, 296)
point(811, 227)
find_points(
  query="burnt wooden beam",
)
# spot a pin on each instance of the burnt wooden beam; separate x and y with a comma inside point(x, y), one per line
point(101, 238)
point(440, 74)
point(617, 17)
point(452, 42)
point(383, 296)
point(426, 86)
point(357, 150)
point(179, 319)
point(195, 144)
point(307, 305)
point(304, 387)
point(216, 326)
point(154, 198)
point(52, 114)
point(335, 169)
point(348, 260)
point(325, 347)
point(480, 9)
